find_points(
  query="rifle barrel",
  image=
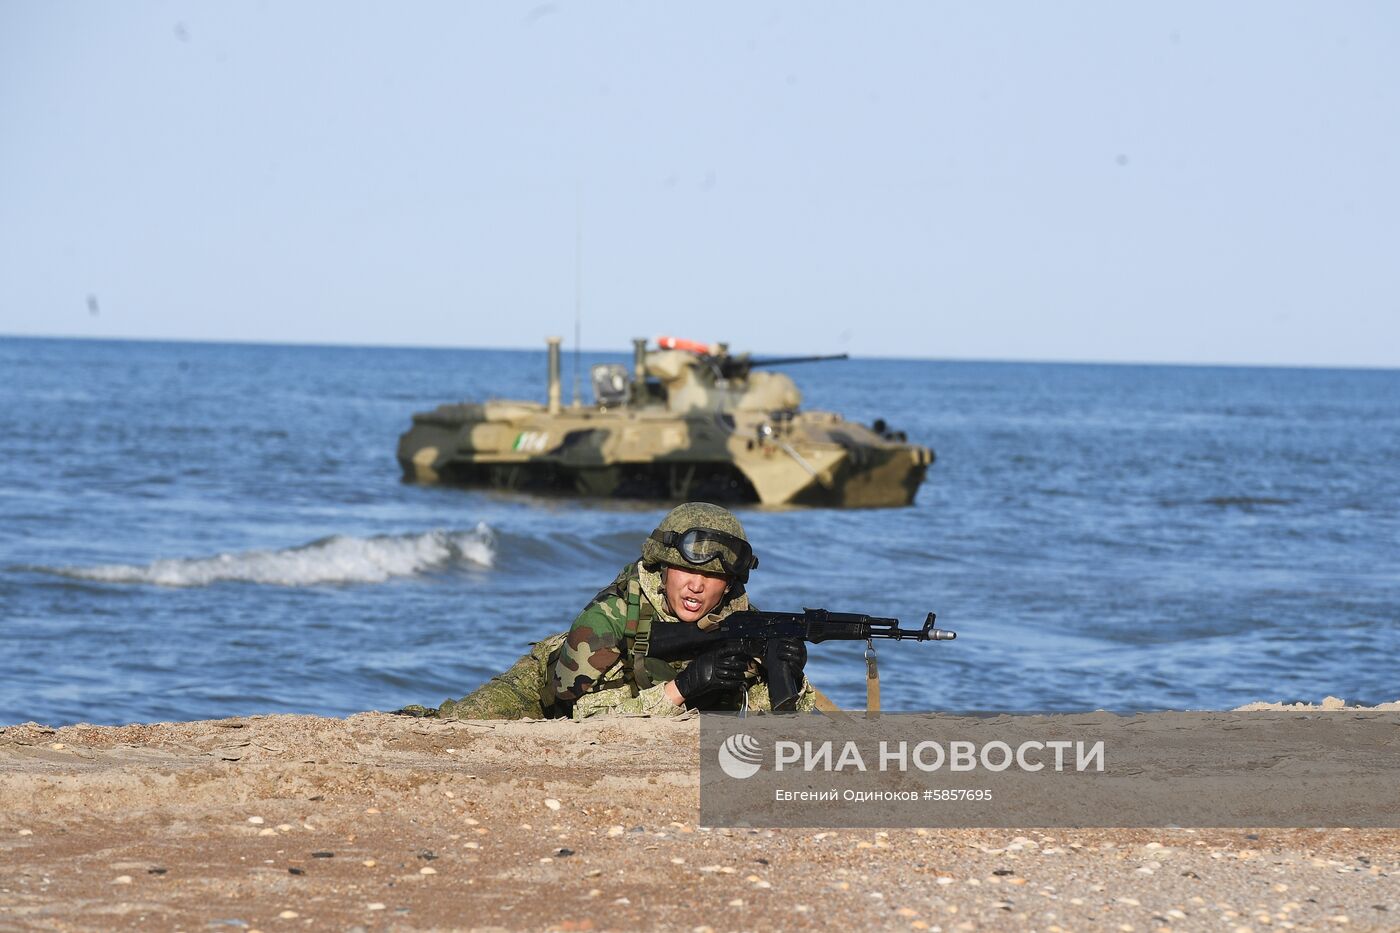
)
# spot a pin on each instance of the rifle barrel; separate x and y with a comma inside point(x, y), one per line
point(786, 360)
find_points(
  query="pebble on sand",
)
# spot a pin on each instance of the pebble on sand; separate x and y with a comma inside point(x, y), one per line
point(375, 906)
point(287, 915)
point(427, 870)
point(552, 803)
point(255, 820)
point(122, 879)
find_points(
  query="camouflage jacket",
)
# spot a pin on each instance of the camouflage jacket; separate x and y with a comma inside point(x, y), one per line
point(601, 650)
point(581, 673)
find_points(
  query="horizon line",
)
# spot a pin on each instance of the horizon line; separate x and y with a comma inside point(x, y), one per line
point(1038, 361)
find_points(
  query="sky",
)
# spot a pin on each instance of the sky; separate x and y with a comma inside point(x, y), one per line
point(1174, 182)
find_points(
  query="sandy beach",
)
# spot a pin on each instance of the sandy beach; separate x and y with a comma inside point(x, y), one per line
point(379, 822)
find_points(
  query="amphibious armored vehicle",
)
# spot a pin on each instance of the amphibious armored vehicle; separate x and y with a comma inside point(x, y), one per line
point(690, 421)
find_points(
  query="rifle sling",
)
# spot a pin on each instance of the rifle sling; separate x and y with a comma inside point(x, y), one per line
point(872, 682)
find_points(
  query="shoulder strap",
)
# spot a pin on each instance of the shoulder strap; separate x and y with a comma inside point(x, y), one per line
point(637, 639)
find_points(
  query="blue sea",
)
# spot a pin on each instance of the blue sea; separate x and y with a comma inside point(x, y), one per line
point(203, 530)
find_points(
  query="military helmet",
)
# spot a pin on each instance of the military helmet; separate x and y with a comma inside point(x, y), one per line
point(704, 537)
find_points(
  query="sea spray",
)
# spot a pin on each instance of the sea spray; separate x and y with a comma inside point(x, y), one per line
point(339, 559)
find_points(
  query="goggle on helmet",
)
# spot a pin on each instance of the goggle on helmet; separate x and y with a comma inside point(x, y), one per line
point(702, 546)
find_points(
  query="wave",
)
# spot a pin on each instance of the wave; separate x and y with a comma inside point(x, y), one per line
point(1247, 502)
point(337, 559)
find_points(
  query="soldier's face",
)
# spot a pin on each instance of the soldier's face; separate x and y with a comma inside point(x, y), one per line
point(691, 596)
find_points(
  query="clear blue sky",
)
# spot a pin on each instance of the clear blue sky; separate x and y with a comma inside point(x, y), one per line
point(1189, 182)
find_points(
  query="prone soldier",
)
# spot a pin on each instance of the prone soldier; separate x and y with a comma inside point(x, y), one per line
point(692, 571)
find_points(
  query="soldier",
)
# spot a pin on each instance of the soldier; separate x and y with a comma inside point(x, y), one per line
point(692, 571)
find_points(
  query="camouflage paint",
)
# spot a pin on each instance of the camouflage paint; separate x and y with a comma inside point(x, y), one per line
point(741, 439)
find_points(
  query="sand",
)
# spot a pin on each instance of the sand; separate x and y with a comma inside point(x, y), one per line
point(379, 822)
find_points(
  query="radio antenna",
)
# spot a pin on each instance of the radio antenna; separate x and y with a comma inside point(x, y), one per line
point(578, 287)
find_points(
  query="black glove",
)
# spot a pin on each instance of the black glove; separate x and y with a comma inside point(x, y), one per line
point(724, 666)
point(793, 653)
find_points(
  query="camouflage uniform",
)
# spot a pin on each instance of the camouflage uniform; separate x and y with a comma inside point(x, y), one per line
point(592, 669)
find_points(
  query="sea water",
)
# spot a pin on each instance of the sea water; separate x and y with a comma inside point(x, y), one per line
point(201, 530)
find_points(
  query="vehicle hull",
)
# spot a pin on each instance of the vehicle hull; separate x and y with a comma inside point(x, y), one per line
point(802, 459)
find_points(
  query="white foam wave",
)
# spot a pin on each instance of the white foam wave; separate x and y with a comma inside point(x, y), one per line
point(338, 559)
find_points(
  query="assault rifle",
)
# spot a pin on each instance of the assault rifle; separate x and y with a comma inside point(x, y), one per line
point(756, 630)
